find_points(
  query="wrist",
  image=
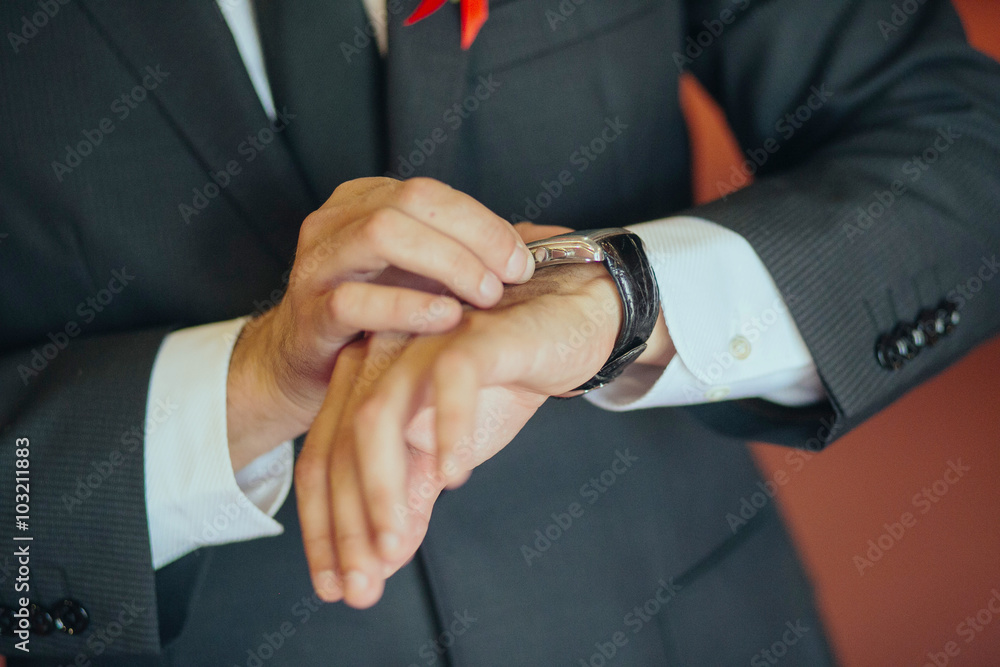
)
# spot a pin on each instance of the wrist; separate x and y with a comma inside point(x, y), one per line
point(259, 415)
point(659, 348)
point(598, 319)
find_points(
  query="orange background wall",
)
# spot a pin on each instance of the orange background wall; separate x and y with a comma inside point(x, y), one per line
point(945, 567)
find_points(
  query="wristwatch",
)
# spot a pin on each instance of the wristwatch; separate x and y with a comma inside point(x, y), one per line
point(624, 256)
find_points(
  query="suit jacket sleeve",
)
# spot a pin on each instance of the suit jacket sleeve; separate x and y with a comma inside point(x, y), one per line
point(84, 415)
point(874, 135)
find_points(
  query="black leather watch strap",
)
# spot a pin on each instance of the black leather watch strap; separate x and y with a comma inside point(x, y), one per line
point(629, 267)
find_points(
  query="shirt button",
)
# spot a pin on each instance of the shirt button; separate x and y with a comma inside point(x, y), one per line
point(739, 347)
point(717, 393)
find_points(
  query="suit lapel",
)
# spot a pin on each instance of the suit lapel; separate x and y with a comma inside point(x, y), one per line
point(211, 103)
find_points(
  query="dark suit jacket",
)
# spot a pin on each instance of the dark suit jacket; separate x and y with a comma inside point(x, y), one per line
point(592, 534)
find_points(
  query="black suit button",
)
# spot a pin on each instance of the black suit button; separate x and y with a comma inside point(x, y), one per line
point(7, 621)
point(913, 337)
point(949, 316)
point(891, 352)
point(70, 616)
point(40, 619)
point(931, 325)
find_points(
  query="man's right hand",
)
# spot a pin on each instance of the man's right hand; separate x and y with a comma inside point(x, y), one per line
point(379, 255)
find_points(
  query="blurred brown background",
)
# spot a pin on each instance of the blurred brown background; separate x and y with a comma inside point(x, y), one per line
point(915, 598)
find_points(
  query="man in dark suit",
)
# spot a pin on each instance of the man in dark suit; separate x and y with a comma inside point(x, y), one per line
point(156, 170)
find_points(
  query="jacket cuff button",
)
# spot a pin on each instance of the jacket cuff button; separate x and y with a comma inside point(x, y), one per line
point(70, 616)
point(890, 352)
point(40, 619)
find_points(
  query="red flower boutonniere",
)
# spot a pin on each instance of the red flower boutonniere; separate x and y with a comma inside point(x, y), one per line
point(474, 13)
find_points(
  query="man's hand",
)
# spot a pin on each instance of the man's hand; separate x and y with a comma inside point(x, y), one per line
point(376, 257)
point(374, 464)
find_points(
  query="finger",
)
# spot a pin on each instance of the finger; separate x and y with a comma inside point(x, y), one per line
point(311, 478)
point(421, 497)
point(382, 454)
point(352, 307)
point(391, 237)
point(459, 479)
point(360, 567)
point(466, 220)
point(456, 388)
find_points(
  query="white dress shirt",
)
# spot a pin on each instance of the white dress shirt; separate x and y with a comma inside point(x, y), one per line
point(729, 324)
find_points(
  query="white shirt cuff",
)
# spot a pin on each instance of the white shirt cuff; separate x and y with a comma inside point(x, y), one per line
point(728, 322)
point(193, 497)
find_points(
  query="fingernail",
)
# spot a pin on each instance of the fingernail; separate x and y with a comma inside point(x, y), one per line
point(529, 265)
point(517, 264)
point(388, 543)
point(491, 288)
point(327, 586)
point(355, 582)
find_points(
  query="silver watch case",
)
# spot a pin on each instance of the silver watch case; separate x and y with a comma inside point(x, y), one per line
point(571, 248)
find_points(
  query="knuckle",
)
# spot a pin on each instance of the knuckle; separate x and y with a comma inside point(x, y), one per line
point(342, 303)
point(401, 305)
point(369, 413)
point(342, 192)
point(312, 225)
point(351, 542)
point(417, 192)
point(381, 228)
point(456, 262)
